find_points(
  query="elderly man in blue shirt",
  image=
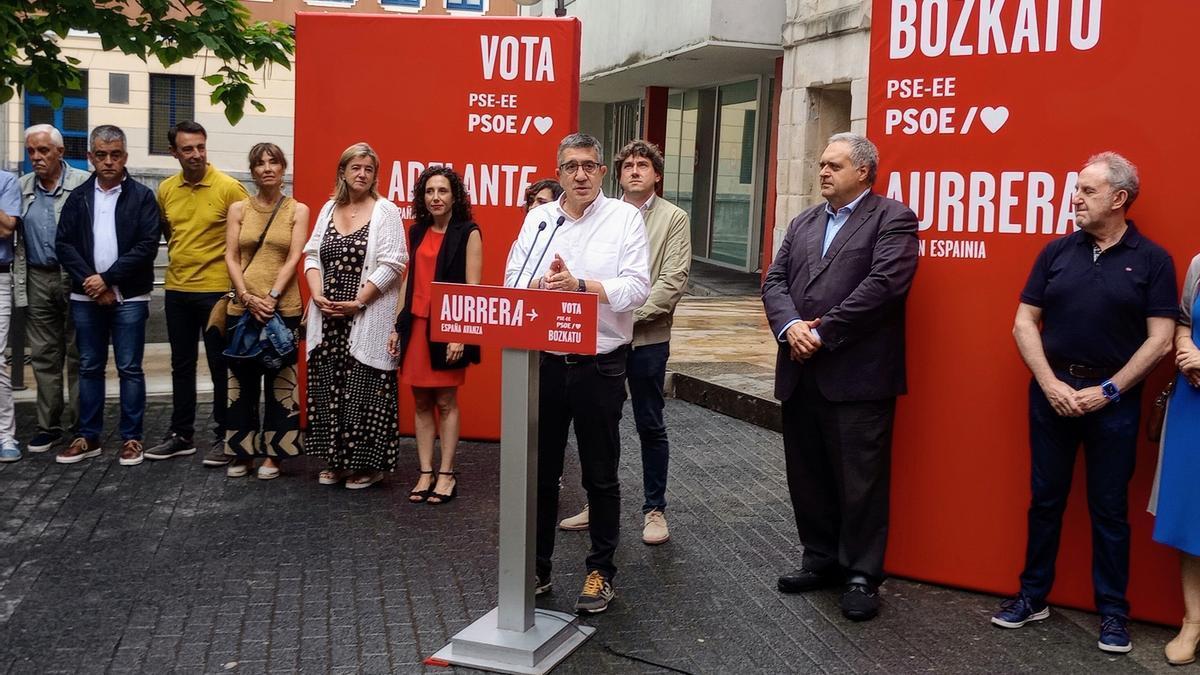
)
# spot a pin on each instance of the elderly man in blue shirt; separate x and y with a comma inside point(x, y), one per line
point(41, 286)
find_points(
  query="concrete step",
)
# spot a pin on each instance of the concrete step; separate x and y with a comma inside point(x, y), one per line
point(740, 390)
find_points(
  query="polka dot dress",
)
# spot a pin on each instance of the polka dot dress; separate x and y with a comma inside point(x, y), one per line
point(352, 407)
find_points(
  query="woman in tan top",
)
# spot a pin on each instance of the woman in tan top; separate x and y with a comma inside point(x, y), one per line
point(264, 283)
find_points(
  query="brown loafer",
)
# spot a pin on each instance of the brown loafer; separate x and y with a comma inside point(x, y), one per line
point(131, 453)
point(79, 450)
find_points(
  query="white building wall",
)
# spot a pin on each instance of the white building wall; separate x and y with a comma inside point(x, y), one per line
point(622, 33)
point(749, 21)
point(228, 145)
point(826, 45)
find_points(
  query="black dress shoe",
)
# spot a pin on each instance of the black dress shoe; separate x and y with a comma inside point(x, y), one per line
point(801, 580)
point(860, 602)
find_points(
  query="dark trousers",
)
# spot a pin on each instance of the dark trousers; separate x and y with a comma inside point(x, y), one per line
point(51, 334)
point(839, 461)
point(647, 372)
point(125, 325)
point(187, 317)
point(1109, 439)
point(590, 394)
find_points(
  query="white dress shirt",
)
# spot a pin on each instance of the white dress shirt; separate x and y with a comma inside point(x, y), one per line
point(104, 239)
point(607, 245)
point(644, 206)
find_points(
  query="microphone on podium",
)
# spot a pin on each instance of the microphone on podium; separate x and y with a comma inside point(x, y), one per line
point(541, 226)
point(557, 225)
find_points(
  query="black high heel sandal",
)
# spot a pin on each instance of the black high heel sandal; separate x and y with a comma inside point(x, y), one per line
point(444, 499)
point(422, 495)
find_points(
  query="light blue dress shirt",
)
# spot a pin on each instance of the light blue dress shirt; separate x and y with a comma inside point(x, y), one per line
point(40, 223)
point(837, 220)
point(833, 224)
point(10, 203)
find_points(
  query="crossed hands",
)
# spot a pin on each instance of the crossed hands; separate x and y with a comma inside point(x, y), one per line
point(262, 308)
point(558, 277)
point(97, 290)
point(335, 310)
point(801, 339)
point(1070, 402)
point(1189, 364)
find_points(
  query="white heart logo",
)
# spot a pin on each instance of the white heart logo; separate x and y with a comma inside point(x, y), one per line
point(543, 124)
point(994, 118)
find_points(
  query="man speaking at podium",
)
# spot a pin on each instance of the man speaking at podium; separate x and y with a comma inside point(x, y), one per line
point(588, 243)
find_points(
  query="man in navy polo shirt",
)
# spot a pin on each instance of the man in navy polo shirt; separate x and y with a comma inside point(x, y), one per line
point(1105, 300)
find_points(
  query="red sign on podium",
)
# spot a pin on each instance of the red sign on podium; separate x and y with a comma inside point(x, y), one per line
point(516, 318)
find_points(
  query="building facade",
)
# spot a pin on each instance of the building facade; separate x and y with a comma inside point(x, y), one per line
point(146, 99)
point(740, 94)
point(697, 77)
point(826, 50)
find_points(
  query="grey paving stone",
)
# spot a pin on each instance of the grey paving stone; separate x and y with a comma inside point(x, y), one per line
point(171, 567)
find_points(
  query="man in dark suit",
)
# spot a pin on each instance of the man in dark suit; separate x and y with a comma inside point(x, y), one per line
point(834, 297)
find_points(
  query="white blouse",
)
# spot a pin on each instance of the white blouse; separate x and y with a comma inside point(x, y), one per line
point(387, 256)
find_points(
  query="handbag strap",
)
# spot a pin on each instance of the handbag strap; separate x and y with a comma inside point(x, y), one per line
point(266, 228)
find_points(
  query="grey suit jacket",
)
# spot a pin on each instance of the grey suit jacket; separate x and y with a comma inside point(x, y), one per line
point(858, 290)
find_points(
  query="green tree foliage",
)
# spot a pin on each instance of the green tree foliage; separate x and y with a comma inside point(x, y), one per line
point(169, 30)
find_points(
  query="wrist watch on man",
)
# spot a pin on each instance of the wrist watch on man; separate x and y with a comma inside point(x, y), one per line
point(582, 286)
point(274, 294)
point(362, 306)
point(1110, 391)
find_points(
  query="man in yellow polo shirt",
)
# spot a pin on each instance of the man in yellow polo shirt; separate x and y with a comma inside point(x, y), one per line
point(193, 204)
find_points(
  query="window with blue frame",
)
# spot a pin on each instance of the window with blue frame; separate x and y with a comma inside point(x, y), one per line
point(172, 100)
point(71, 118)
point(403, 4)
point(479, 6)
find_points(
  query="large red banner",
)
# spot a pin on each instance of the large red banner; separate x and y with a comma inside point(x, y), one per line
point(983, 111)
point(490, 97)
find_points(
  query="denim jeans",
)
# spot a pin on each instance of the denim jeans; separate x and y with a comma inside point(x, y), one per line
point(1109, 439)
point(647, 369)
point(126, 325)
point(187, 317)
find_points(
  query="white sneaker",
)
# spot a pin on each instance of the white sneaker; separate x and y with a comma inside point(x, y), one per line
point(238, 468)
point(268, 472)
point(654, 528)
point(576, 522)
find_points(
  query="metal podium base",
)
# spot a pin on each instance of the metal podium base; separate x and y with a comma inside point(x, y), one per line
point(484, 646)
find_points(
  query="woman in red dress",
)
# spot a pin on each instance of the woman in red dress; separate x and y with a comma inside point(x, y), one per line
point(446, 246)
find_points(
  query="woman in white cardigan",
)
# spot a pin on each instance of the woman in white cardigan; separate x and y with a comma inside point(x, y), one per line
point(353, 263)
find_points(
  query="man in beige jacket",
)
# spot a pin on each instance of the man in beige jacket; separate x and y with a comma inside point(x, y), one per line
point(640, 168)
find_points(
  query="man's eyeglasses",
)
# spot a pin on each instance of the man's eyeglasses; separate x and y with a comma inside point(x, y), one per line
point(101, 155)
point(570, 168)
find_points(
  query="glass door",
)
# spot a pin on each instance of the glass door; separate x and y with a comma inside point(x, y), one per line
point(679, 155)
point(622, 123)
point(713, 169)
point(734, 176)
